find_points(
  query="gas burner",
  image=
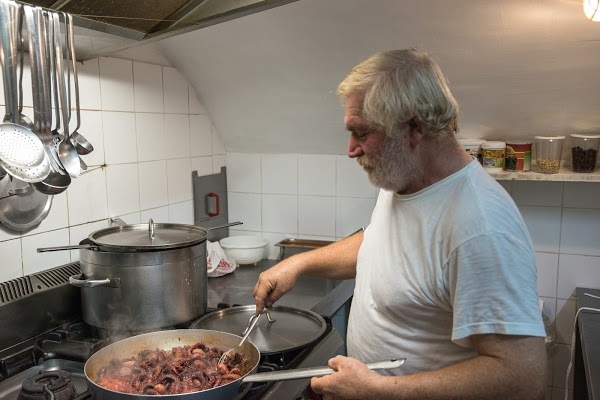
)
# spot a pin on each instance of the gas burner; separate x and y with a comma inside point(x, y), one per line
point(52, 385)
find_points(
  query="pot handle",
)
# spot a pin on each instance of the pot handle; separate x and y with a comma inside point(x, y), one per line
point(74, 247)
point(222, 226)
point(110, 282)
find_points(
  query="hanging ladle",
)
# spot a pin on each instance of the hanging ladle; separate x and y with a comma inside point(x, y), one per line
point(67, 153)
point(82, 145)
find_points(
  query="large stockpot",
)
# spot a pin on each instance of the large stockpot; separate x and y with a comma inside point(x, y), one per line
point(139, 278)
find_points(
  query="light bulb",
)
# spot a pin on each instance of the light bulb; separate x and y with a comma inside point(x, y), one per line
point(591, 9)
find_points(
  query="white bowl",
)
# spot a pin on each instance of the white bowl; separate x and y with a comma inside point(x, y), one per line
point(244, 249)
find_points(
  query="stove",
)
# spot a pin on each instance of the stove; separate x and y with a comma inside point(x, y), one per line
point(49, 364)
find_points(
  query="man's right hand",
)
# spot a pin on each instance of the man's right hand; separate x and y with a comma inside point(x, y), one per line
point(275, 282)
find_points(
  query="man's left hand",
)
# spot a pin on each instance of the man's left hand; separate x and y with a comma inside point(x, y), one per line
point(351, 380)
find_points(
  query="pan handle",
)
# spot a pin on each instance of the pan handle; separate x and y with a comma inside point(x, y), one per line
point(301, 373)
point(61, 248)
point(110, 282)
point(222, 226)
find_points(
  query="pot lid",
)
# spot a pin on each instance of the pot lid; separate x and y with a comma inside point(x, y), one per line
point(149, 236)
point(293, 328)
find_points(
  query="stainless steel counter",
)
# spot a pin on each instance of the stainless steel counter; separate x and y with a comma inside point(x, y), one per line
point(322, 296)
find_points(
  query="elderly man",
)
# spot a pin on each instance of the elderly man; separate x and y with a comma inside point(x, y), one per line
point(445, 272)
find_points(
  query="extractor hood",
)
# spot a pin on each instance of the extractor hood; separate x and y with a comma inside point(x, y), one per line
point(106, 26)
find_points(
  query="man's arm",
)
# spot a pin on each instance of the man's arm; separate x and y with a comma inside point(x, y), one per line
point(508, 367)
point(335, 261)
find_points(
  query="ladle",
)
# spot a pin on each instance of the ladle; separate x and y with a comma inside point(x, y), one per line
point(21, 151)
point(23, 119)
point(66, 151)
point(82, 145)
point(55, 182)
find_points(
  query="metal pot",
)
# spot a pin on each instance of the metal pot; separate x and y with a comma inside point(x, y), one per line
point(166, 340)
point(139, 278)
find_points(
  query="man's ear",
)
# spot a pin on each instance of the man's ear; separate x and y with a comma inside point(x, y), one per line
point(417, 130)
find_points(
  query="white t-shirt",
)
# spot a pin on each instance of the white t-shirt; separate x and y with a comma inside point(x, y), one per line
point(435, 267)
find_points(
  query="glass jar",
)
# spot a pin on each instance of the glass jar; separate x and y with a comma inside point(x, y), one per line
point(548, 151)
point(584, 152)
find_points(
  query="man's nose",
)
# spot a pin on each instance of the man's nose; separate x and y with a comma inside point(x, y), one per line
point(354, 149)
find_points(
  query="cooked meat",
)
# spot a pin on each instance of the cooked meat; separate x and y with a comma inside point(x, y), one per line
point(181, 370)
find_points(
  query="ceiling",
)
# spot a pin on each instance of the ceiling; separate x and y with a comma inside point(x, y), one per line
point(105, 26)
point(517, 67)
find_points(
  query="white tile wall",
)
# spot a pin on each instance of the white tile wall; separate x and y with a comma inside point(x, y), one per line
point(141, 171)
point(334, 198)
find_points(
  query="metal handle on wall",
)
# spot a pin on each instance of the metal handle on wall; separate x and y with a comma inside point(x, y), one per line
point(216, 197)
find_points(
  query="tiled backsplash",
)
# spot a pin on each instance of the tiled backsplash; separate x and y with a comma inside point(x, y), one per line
point(328, 197)
point(151, 131)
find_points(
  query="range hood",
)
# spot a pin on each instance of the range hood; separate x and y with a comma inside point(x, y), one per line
point(105, 26)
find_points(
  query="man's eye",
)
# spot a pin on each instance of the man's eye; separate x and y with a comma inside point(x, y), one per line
point(361, 134)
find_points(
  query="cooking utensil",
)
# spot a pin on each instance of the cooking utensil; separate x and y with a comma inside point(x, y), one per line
point(142, 277)
point(167, 340)
point(25, 208)
point(21, 152)
point(82, 145)
point(17, 192)
point(55, 182)
point(251, 324)
point(22, 118)
point(66, 151)
point(301, 373)
point(295, 327)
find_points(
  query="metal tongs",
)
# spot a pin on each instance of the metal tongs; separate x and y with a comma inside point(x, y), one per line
point(251, 324)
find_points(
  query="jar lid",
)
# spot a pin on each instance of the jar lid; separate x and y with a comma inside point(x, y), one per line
point(493, 144)
point(583, 136)
point(509, 142)
point(550, 137)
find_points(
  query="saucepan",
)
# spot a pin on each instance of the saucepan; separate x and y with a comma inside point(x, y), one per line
point(166, 340)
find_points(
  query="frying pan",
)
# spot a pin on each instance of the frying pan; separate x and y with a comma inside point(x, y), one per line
point(166, 340)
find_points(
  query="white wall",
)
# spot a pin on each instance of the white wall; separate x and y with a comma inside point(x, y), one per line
point(148, 127)
point(328, 196)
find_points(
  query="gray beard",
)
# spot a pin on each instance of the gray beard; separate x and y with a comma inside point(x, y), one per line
point(394, 167)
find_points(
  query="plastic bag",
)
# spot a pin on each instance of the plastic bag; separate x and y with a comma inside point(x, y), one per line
point(217, 263)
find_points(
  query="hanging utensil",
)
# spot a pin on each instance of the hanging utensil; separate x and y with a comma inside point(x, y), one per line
point(21, 152)
point(22, 118)
point(66, 151)
point(56, 182)
point(82, 145)
point(21, 207)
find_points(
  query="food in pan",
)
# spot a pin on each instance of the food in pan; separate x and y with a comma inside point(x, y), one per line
point(181, 370)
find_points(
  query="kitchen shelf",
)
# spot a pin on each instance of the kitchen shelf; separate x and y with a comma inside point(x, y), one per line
point(563, 175)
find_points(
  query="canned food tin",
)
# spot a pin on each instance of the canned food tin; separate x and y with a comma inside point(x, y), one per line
point(493, 155)
point(518, 156)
